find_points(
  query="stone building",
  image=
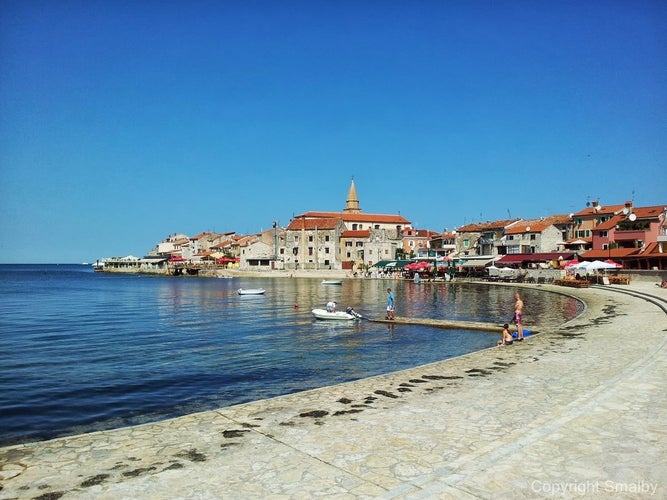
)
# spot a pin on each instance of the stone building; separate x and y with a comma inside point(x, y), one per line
point(349, 239)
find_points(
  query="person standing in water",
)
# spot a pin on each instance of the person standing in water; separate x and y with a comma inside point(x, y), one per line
point(390, 304)
point(518, 315)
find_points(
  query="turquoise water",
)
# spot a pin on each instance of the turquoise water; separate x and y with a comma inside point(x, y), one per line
point(85, 351)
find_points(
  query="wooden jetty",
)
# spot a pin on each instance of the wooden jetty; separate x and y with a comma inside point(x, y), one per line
point(449, 324)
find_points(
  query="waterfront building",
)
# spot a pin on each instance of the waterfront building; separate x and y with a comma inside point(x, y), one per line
point(584, 223)
point(633, 236)
point(536, 235)
point(483, 238)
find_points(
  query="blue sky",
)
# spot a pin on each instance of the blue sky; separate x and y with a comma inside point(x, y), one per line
point(124, 122)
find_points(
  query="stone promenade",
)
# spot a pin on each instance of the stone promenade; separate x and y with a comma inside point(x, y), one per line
point(574, 412)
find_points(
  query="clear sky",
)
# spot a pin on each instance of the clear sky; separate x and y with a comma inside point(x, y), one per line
point(122, 122)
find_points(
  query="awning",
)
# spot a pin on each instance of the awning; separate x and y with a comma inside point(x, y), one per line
point(152, 260)
point(391, 264)
point(520, 258)
point(476, 263)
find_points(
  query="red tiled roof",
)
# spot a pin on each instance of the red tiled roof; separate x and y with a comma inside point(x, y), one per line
point(477, 227)
point(312, 224)
point(201, 235)
point(358, 217)
point(608, 253)
point(364, 233)
point(537, 225)
point(605, 210)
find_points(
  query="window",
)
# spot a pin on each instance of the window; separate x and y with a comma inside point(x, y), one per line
point(348, 243)
point(354, 227)
point(466, 243)
point(532, 237)
point(603, 234)
point(310, 250)
point(326, 249)
point(411, 243)
point(326, 238)
point(310, 238)
point(360, 243)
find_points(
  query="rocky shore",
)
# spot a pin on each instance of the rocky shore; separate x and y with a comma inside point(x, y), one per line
point(575, 412)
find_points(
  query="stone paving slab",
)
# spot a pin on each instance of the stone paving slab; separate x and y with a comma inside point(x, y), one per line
point(577, 411)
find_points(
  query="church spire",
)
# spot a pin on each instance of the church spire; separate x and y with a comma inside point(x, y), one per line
point(352, 202)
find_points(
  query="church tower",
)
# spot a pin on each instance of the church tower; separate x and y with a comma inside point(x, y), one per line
point(352, 202)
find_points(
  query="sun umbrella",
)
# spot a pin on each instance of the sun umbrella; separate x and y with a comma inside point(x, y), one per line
point(598, 264)
point(616, 264)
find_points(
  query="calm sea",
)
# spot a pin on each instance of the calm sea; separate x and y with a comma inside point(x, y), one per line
point(83, 351)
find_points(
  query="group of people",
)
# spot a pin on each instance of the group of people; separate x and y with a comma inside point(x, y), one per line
point(517, 319)
point(506, 335)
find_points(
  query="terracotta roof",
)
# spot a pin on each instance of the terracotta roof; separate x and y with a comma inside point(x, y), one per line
point(608, 254)
point(312, 224)
point(648, 212)
point(537, 225)
point(201, 235)
point(477, 227)
point(605, 210)
point(359, 217)
point(642, 213)
point(364, 233)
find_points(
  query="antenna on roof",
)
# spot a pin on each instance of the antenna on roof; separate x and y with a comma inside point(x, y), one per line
point(509, 215)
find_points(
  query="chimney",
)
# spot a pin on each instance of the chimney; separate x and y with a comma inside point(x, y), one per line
point(628, 204)
point(595, 203)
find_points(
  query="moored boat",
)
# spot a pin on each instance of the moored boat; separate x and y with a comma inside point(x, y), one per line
point(338, 315)
point(332, 282)
point(251, 291)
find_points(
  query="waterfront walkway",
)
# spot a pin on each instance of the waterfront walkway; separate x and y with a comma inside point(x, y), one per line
point(577, 411)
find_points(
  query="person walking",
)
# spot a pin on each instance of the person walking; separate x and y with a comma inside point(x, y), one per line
point(518, 315)
point(390, 304)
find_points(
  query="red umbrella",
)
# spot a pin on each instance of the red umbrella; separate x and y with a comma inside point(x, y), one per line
point(618, 266)
point(570, 264)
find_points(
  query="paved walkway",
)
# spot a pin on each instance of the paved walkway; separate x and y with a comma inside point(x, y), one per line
point(574, 412)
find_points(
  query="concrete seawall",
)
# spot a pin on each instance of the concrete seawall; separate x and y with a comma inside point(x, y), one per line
point(577, 411)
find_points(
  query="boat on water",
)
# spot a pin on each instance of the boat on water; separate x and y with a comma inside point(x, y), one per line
point(338, 315)
point(332, 282)
point(251, 291)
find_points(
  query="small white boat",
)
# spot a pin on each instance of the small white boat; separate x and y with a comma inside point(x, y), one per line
point(251, 291)
point(332, 282)
point(338, 315)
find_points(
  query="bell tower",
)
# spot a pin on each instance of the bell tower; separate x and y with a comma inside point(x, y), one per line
point(352, 202)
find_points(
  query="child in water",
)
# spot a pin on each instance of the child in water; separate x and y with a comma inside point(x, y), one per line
point(507, 338)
